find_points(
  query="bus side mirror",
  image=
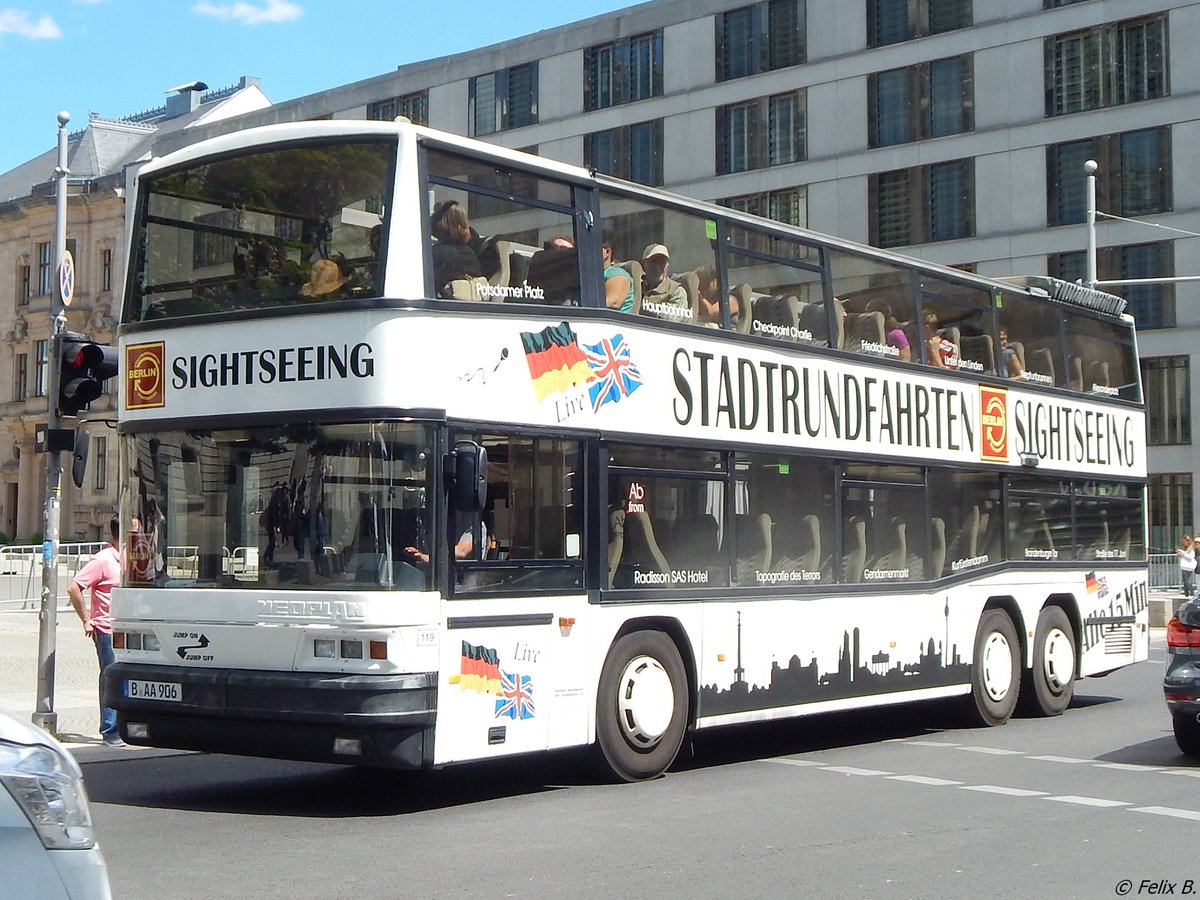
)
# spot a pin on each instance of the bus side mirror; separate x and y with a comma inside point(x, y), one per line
point(466, 476)
point(79, 463)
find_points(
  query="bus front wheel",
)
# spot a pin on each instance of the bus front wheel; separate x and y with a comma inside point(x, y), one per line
point(995, 670)
point(1050, 683)
point(642, 706)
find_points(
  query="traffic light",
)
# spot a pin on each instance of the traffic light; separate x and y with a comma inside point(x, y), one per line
point(83, 369)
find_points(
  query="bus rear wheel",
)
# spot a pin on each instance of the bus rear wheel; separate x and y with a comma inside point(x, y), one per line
point(995, 670)
point(1050, 683)
point(642, 706)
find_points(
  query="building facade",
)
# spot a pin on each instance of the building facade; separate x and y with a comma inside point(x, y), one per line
point(953, 130)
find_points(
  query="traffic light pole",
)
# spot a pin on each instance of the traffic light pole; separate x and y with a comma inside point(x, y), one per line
point(44, 715)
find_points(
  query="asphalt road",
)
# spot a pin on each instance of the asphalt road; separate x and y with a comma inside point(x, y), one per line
point(888, 803)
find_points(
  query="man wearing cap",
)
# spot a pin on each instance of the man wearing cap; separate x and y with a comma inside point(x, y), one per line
point(662, 296)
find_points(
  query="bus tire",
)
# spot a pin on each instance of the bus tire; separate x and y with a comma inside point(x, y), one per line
point(995, 669)
point(641, 706)
point(1050, 682)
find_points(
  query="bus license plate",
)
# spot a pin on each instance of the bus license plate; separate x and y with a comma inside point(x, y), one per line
point(153, 690)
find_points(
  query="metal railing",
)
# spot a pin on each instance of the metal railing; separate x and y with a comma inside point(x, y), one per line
point(21, 572)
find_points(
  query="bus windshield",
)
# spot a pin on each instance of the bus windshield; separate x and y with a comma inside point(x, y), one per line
point(273, 228)
point(332, 507)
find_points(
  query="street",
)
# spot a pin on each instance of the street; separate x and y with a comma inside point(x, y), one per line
point(897, 802)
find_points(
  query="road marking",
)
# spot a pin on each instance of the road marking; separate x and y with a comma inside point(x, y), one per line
point(1129, 767)
point(1007, 791)
point(995, 751)
point(920, 743)
point(1186, 773)
point(1087, 801)
point(1167, 811)
point(783, 760)
point(923, 779)
point(1060, 759)
point(851, 770)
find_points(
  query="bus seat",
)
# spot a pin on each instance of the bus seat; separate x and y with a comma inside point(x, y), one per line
point(1097, 375)
point(741, 322)
point(810, 560)
point(641, 546)
point(693, 542)
point(503, 272)
point(1075, 367)
point(863, 328)
point(1041, 361)
point(1019, 349)
point(1121, 544)
point(634, 268)
point(937, 549)
point(814, 320)
point(980, 349)
point(854, 559)
point(691, 285)
point(774, 310)
point(754, 546)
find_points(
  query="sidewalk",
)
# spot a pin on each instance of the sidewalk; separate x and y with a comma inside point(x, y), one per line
point(76, 694)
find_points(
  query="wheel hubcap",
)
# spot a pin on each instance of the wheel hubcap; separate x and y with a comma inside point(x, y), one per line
point(997, 666)
point(646, 701)
point(1058, 660)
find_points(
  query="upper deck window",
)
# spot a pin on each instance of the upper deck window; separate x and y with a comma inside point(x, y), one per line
point(265, 229)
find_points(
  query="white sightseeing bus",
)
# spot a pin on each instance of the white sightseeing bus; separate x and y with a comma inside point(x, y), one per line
point(401, 492)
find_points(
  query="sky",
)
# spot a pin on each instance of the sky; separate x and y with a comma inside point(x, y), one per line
point(119, 57)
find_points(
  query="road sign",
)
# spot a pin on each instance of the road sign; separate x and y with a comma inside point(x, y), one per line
point(66, 278)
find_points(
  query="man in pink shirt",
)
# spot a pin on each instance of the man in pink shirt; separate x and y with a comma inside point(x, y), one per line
point(101, 574)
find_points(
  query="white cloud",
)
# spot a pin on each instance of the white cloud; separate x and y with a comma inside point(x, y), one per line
point(17, 21)
point(251, 14)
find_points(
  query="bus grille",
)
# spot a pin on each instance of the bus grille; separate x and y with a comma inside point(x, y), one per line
point(1119, 639)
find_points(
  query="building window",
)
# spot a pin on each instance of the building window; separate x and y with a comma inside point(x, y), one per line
point(624, 71)
point(894, 21)
point(632, 152)
point(923, 204)
point(24, 284)
point(100, 463)
point(1106, 65)
point(769, 131)
point(789, 206)
point(40, 361)
point(1169, 507)
point(503, 100)
point(21, 376)
point(1168, 400)
point(45, 269)
point(760, 38)
point(923, 101)
point(1134, 178)
point(414, 107)
point(1151, 305)
point(106, 269)
point(1052, 4)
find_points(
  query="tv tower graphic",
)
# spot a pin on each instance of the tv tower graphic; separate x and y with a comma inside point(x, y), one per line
point(739, 674)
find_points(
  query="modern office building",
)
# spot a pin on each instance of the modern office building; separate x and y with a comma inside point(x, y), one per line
point(954, 130)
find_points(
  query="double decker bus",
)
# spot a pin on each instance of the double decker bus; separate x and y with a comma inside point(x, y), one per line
point(647, 466)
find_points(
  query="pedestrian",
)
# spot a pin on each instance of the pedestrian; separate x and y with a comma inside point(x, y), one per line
point(1186, 551)
point(101, 574)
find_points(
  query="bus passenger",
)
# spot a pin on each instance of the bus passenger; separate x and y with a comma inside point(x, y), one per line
point(892, 330)
point(325, 278)
point(710, 297)
point(941, 352)
point(662, 296)
point(1008, 365)
point(618, 283)
point(453, 255)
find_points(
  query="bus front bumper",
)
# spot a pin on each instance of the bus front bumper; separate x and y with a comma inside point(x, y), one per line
point(367, 720)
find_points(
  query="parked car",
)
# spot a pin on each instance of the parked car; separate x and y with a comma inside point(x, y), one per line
point(1182, 681)
point(47, 845)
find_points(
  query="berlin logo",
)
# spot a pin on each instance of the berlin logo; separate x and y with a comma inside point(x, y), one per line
point(144, 386)
point(994, 419)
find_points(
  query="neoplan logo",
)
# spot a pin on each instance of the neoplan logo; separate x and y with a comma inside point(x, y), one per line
point(994, 421)
point(144, 384)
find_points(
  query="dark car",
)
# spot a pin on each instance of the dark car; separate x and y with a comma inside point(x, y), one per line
point(1182, 682)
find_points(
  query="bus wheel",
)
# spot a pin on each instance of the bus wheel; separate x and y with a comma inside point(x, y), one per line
point(996, 669)
point(642, 706)
point(1050, 684)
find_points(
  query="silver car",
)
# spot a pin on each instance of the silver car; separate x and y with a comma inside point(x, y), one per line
point(47, 845)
